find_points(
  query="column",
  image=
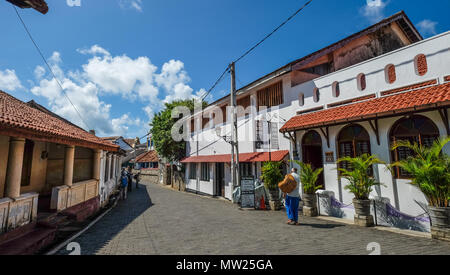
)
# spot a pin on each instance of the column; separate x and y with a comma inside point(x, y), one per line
point(114, 166)
point(14, 170)
point(68, 165)
point(109, 166)
point(96, 165)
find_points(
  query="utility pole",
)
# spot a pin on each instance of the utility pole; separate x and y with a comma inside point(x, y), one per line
point(235, 173)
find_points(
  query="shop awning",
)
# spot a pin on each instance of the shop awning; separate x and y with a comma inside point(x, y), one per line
point(420, 100)
point(245, 157)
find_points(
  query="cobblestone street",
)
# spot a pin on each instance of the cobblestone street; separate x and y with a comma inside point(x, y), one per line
point(155, 220)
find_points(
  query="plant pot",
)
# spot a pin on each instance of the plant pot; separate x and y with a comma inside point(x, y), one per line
point(362, 213)
point(310, 200)
point(440, 216)
point(310, 205)
point(440, 220)
point(274, 200)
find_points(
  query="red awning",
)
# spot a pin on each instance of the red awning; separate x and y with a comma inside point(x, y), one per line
point(397, 104)
point(245, 157)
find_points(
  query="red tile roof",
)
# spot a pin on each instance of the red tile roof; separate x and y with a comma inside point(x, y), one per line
point(19, 119)
point(150, 156)
point(245, 157)
point(421, 99)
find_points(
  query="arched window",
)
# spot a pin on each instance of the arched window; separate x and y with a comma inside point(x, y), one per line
point(415, 129)
point(353, 141)
point(336, 89)
point(391, 76)
point(316, 95)
point(301, 99)
point(361, 79)
point(420, 64)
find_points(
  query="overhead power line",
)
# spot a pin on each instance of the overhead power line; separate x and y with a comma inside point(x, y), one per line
point(274, 31)
point(255, 46)
point(48, 66)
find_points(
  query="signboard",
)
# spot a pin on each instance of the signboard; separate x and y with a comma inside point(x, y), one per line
point(248, 192)
point(329, 157)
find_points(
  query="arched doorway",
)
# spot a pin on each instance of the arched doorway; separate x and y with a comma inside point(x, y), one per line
point(312, 153)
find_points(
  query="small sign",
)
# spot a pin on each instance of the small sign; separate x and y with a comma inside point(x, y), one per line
point(248, 192)
point(329, 156)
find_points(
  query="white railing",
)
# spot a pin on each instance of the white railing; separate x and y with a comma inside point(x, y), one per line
point(18, 212)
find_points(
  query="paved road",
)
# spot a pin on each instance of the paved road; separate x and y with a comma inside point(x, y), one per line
point(155, 220)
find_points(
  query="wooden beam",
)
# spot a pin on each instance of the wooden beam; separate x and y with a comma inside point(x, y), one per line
point(327, 135)
point(444, 115)
point(375, 128)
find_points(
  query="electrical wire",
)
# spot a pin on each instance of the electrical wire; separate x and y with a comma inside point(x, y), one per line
point(215, 84)
point(274, 31)
point(51, 71)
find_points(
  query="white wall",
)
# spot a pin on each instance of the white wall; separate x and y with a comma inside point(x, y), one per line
point(399, 192)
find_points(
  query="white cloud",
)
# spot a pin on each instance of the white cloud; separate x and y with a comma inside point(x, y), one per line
point(427, 27)
point(94, 50)
point(104, 74)
point(9, 80)
point(39, 72)
point(374, 10)
point(131, 4)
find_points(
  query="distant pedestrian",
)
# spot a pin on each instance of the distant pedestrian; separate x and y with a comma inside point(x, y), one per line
point(130, 179)
point(137, 178)
point(292, 200)
point(123, 184)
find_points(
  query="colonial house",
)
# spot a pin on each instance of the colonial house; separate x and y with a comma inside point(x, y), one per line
point(49, 168)
point(355, 96)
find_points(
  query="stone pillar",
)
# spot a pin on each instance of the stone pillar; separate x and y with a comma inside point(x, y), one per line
point(114, 166)
point(68, 165)
point(96, 165)
point(14, 170)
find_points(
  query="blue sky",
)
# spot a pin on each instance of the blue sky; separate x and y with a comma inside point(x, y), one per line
point(119, 60)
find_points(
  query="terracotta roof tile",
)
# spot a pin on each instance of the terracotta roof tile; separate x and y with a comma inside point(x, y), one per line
point(19, 119)
point(422, 98)
point(150, 156)
point(245, 157)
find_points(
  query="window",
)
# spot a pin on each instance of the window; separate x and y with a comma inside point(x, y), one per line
point(193, 171)
point(245, 169)
point(420, 63)
point(336, 89)
point(259, 135)
point(270, 96)
point(391, 76)
point(204, 172)
point(418, 129)
point(353, 141)
point(243, 104)
point(192, 125)
point(301, 99)
point(361, 78)
point(27, 162)
point(316, 95)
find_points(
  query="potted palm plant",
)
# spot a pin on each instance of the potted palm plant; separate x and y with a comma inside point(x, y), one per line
point(271, 176)
point(308, 179)
point(360, 184)
point(429, 169)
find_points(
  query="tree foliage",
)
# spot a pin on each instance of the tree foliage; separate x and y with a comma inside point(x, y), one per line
point(271, 175)
point(161, 131)
point(429, 169)
point(309, 177)
point(360, 180)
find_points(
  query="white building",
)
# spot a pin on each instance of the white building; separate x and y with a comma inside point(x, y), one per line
point(353, 97)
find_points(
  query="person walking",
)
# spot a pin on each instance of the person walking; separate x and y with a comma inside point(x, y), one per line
point(292, 200)
point(123, 184)
point(130, 179)
point(137, 178)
